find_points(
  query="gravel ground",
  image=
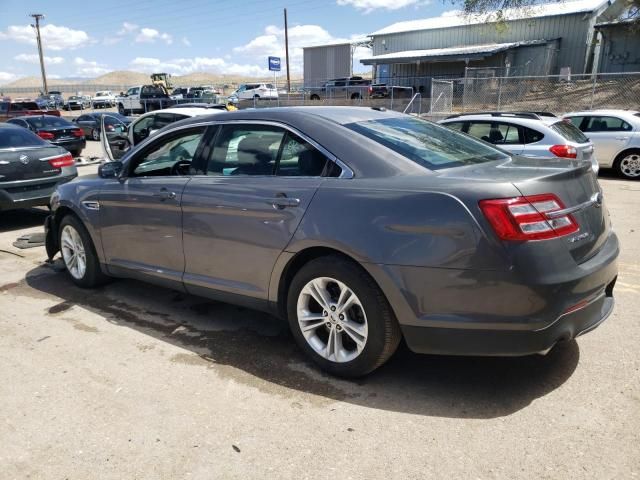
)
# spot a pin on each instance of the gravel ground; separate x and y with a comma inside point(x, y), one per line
point(138, 382)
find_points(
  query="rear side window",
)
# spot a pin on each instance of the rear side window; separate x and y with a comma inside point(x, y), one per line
point(606, 124)
point(531, 135)
point(427, 144)
point(300, 159)
point(455, 126)
point(569, 132)
point(19, 137)
point(506, 134)
point(480, 130)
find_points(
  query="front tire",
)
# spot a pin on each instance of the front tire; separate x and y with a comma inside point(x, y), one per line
point(121, 109)
point(79, 253)
point(341, 318)
point(627, 165)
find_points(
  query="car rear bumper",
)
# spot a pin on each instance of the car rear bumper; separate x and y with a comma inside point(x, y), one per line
point(502, 313)
point(31, 193)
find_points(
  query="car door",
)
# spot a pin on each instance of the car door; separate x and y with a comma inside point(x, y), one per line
point(609, 135)
point(239, 216)
point(114, 141)
point(141, 214)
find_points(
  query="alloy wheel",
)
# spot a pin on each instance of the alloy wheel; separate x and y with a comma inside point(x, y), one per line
point(630, 165)
point(332, 319)
point(95, 134)
point(73, 252)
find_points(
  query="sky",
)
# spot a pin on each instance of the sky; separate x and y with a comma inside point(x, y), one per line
point(185, 36)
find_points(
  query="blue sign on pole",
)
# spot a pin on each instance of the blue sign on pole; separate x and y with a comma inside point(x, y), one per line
point(274, 64)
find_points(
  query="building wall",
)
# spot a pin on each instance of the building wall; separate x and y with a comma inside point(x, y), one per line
point(322, 63)
point(620, 50)
point(571, 29)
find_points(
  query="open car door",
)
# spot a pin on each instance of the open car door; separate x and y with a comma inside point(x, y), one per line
point(114, 139)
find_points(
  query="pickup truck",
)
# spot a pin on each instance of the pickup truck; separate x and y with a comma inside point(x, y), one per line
point(9, 109)
point(144, 98)
point(353, 88)
point(103, 99)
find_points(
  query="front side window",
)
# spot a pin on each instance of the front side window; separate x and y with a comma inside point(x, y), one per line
point(427, 144)
point(170, 155)
point(606, 124)
point(245, 150)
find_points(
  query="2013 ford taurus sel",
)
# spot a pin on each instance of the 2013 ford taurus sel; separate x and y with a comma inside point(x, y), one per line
point(359, 226)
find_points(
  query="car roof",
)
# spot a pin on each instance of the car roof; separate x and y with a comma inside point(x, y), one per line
point(603, 112)
point(191, 111)
point(504, 119)
point(31, 117)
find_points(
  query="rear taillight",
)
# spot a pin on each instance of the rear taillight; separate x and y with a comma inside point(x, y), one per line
point(564, 151)
point(64, 160)
point(77, 133)
point(46, 135)
point(535, 217)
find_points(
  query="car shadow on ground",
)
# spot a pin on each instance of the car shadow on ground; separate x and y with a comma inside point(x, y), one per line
point(261, 352)
point(23, 218)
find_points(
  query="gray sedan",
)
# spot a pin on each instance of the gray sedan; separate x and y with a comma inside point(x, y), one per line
point(358, 226)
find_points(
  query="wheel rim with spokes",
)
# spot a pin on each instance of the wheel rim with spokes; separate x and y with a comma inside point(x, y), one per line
point(332, 319)
point(630, 165)
point(73, 252)
point(95, 134)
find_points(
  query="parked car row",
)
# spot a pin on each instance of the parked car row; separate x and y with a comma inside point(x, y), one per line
point(606, 138)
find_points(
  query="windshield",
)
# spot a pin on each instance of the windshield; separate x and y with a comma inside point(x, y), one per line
point(569, 131)
point(430, 145)
point(19, 137)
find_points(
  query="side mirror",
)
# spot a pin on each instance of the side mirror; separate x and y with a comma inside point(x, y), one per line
point(110, 169)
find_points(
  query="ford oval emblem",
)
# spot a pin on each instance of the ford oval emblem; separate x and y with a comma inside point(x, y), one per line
point(23, 159)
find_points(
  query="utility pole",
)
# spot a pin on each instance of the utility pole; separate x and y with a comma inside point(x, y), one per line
point(286, 49)
point(38, 17)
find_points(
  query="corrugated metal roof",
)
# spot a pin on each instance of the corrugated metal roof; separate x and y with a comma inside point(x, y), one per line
point(442, 53)
point(457, 18)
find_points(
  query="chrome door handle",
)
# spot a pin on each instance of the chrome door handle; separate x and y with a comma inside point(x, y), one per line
point(283, 202)
point(165, 194)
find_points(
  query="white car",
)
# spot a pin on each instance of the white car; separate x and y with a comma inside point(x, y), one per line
point(103, 99)
point(530, 134)
point(116, 143)
point(616, 136)
point(255, 90)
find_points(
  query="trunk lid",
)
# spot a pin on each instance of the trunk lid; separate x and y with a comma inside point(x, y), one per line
point(61, 133)
point(26, 164)
point(577, 187)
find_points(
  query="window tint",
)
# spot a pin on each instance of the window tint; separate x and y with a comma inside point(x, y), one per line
point(245, 150)
point(427, 144)
point(569, 132)
point(49, 121)
point(84, 118)
point(606, 124)
point(301, 159)
point(170, 155)
point(531, 135)
point(455, 126)
point(15, 137)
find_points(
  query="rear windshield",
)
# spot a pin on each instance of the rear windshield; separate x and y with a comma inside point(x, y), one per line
point(25, 106)
point(569, 132)
point(19, 137)
point(430, 145)
point(49, 121)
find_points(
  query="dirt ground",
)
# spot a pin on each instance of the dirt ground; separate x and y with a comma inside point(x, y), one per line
point(133, 381)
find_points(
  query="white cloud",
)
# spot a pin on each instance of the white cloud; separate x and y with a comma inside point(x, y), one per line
point(272, 43)
point(186, 42)
point(53, 36)
point(35, 58)
point(89, 68)
point(370, 5)
point(6, 77)
point(183, 66)
point(127, 28)
point(150, 35)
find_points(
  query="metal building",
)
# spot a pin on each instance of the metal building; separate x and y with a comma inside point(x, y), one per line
point(326, 61)
point(618, 47)
point(537, 40)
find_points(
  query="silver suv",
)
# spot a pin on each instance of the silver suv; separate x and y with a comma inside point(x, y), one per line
point(531, 134)
point(616, 136)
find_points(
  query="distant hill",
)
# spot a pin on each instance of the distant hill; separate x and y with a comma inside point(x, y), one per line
point(119, 77)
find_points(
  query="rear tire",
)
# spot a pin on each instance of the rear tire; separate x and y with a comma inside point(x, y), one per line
point(95, 135)
point(79, 254)
point(121, 109)
point(627, 164)
point(367, 329)
point(355, 96)
point(314, 97)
